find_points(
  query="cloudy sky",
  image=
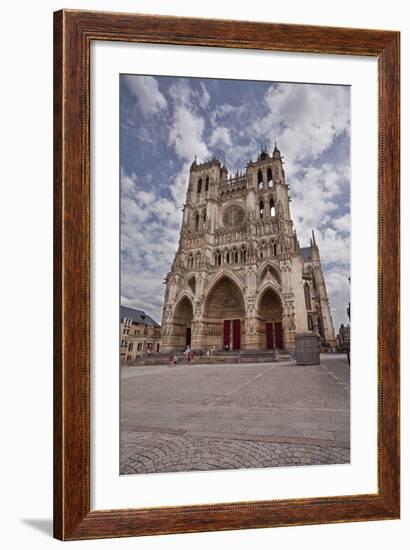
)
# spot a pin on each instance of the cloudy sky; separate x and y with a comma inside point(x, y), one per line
point(166, 121)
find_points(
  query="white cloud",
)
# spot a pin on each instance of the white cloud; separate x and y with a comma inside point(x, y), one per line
point(315, 195)
point(150, 225)
point(224, 110)
point(221, 137)
point(181, 92)
point(186, 134)
point(187, 128)
point(128, 183)
point(205, 98)
point(343, 223)
point(238, 156)
point(179, 184)
point(147, 92)
point(304, 120)
point(338, 288)
point(334, 247)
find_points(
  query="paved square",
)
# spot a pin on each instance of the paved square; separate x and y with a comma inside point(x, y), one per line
point(208, 417)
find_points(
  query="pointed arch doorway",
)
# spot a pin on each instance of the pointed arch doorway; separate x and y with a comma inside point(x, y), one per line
point(224, 315)
point(182, 323)
point(270, 312)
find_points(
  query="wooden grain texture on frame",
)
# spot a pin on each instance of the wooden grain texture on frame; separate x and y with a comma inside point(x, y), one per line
point(73, 33)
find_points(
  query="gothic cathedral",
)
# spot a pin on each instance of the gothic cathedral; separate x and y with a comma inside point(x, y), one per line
point(239, 279)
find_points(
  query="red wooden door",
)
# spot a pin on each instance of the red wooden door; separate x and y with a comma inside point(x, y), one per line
point(269, 336)
point(236, 344)
point(227, 334)
point(278, 335)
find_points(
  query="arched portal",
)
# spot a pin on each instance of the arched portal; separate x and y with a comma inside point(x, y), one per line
point(271, 270)
point(224, 315)
point(270, 313)
point(182, 321)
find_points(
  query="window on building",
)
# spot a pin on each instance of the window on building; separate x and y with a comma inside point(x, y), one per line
point(260, 180)
point(157, 348)
point(199, 188)
point(308, 301)
point(261, 209)
point(197, 222)
point(310, 322)
point(236, 257)
point(139, 347)
point(227, 257)
point(130, 346)
point(275, 249)
point(270, 179)
point(272, 208)
point(192, 284)
point(206, 185)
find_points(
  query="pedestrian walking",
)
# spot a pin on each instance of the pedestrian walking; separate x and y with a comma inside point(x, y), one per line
point(171, 360)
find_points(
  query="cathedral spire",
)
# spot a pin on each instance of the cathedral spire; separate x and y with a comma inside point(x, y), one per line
point(276, 153)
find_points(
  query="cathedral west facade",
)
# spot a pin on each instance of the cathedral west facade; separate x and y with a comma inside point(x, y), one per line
point(239, 279)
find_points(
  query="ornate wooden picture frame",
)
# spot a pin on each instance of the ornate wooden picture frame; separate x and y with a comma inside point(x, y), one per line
point(74, 32)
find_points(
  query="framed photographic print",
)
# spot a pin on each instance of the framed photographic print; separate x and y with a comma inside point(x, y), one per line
point(226, 337)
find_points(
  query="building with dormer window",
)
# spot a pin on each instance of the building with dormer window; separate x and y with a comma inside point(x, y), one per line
point(140, 334)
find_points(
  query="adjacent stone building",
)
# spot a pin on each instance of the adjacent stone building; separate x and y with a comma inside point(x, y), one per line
point(239, 279)
point(140, 334)
point(343, 338)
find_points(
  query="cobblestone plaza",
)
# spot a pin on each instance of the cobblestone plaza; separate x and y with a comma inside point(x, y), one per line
point(212, 417)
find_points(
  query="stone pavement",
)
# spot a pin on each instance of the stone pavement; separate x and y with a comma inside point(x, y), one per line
point(206, 417)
